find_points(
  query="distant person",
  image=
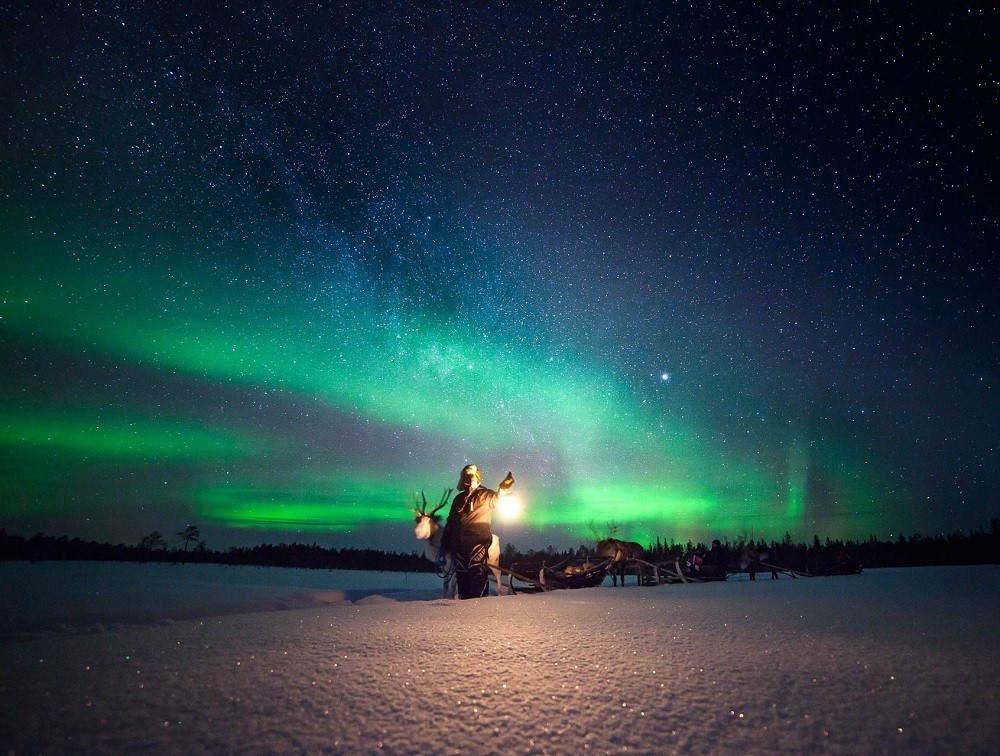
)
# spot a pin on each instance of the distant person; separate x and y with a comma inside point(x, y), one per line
point(844, 563)
point(468, 532)
point(714, 563)
point(772, 558)
point(751, 560)
point(695, 559)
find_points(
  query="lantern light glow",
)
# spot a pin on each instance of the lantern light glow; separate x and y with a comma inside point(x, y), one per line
point(509, 507)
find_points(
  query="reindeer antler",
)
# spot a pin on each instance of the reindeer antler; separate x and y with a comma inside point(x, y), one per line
point(444, 500)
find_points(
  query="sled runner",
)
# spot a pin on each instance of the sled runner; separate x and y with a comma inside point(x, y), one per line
point(674, 572)
point(568, 574)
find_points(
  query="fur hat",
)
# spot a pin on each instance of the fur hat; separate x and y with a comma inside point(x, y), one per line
point(465, 477)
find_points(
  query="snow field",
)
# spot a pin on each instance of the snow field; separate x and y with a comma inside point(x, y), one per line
point(890, 661)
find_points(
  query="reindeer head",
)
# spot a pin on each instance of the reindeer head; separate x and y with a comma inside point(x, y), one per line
point(608, 546)
point(620, 550)
point(427, 523)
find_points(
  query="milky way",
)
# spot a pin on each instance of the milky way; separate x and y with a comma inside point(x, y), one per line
point(694, 270)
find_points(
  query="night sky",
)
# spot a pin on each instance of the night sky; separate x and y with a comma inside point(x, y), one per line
point(697, 269)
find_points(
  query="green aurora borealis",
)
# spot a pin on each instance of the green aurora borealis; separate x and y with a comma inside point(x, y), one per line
point(275, 273)
point(586, 449)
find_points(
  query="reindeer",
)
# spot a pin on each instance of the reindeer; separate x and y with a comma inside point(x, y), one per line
point(428, 529)
point(621, 552)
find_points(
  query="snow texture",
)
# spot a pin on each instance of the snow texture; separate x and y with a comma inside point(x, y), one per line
point(890, 661)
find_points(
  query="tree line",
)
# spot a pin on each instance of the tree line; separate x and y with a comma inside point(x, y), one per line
point(980, 546)
point(154, 547)
point(977, 547)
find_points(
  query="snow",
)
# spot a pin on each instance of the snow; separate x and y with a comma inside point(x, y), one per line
point(196, 659)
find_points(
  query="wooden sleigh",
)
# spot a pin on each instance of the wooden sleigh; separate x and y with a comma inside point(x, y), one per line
point(566, 575)
point(844, 568)
point(674, 572)
point(575, 573)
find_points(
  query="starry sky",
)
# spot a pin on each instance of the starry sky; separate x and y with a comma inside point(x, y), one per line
point(694, 269)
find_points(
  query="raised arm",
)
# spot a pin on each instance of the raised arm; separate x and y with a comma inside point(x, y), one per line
point(506, 484)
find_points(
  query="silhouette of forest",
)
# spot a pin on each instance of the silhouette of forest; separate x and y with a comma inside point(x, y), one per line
point(978, 547)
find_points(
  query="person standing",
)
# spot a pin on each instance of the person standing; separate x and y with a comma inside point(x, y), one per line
point(468, 533)
point(751, 560)
point(715, 561)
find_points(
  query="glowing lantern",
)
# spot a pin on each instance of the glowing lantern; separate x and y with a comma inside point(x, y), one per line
point(509, 507)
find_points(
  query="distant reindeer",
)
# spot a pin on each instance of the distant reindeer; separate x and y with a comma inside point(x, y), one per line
point(428, 529)
point(621, 552)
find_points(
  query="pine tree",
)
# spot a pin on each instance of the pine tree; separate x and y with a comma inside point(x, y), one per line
point(190, 533)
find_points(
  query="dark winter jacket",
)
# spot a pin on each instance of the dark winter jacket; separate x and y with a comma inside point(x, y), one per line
point(470, 518)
